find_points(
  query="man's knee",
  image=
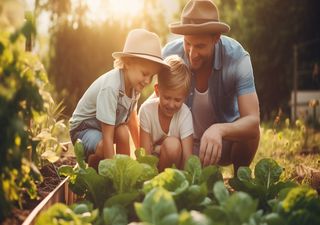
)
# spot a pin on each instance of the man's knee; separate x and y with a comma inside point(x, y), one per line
point(240, 152)
point(244, 152)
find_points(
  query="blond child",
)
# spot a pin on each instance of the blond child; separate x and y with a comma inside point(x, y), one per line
point(107, 111)
point(166, 128)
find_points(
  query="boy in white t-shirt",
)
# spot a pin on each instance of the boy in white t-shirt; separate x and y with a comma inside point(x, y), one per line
point(166, 128)
point(107, 110)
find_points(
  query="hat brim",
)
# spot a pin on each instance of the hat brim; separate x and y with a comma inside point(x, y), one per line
point(117, 55)
point(204, 28)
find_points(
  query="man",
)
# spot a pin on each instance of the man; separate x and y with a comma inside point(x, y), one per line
point(223, 99)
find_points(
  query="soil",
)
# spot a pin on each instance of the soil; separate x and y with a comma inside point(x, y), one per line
point(50, 181)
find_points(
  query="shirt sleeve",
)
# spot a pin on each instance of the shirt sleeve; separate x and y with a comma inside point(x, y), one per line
point(245, 80)
point(186, 124)
point(144, 119)
point(107, 105)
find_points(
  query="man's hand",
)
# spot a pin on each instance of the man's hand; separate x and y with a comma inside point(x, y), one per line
point(211, 146)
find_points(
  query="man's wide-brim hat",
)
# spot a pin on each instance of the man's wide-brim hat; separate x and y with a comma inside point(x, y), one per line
point(199, 17)
point(142, 44)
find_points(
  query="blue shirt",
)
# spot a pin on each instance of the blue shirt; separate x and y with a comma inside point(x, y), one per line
point(232, 76)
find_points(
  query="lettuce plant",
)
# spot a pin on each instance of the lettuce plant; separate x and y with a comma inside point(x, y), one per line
point(78, 214)
point(158, 208)
point(84, 180)
point(265, 185)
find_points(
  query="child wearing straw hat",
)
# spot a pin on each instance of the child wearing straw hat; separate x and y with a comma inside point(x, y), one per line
point(166, 128)
point(222, 97)
point(107, 111)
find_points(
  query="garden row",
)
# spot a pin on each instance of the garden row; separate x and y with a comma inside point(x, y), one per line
point(131, 191)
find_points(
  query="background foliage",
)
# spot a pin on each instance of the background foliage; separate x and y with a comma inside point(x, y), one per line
point(81, 51)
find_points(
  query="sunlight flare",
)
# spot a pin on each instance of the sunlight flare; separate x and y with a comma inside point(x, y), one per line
point(101, 10)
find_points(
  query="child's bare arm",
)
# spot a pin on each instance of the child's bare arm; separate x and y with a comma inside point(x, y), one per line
point(134, 128)
point(187, 145)
point(145, 141)
point(107, 140)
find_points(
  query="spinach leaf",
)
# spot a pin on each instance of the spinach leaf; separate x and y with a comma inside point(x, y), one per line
point(157, 208)
point(172, 180)
point(115, 215)
point(265, 185)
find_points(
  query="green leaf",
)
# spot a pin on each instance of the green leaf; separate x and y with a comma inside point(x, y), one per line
point(172, 180)
point(220, 192)
point(193, 218)
point(172, 218)
point(273, 219)
point(80, 154)
point(193, 167)
point(218, 215)
point(148, 173)
point(156, 207)
point(123, 171)
point(240, 205)
point(267, 172)
point(58, 212)
point(244, 174)
point(97, 185)
point(115, 215)
point(147, 159)
point(51, 156)
point(66, 171)
point(195, 194)
point(275, 189)
point(123, 199)
point(210, 175)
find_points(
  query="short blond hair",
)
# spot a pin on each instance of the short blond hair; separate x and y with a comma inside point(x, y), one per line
point(178, 76)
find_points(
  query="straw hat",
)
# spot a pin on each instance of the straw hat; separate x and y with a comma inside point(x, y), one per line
point(142, 44)
point(199, 17)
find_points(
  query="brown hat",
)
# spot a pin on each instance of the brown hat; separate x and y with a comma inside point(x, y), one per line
point(142, 44)
point(199, 17)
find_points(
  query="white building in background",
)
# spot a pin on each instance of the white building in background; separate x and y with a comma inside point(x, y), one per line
point(304, 110)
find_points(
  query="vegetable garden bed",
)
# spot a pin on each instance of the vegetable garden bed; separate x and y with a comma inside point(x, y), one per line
point(51, 190)
point(60, 194)
point(127, 191)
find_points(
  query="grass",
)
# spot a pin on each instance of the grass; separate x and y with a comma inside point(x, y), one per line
point(291, 146)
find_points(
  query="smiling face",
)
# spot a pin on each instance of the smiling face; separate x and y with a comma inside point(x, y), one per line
point(200, 49)
point(171, 100)
point(139, 73)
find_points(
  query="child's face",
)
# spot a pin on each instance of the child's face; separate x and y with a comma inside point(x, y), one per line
point(170, 100)
point(140, 73)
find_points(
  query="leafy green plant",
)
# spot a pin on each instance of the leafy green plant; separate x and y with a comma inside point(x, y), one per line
point(126, 173)
point(300, 206)
point(158, 208)
point(48, 131)
point(78, 214)
point(239, 208)
point(119, 180)
point(265, 185)
point(21, 78)
point(84, 180)
point(190, 187)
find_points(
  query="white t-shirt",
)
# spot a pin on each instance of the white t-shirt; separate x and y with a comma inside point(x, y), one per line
point(105, 100)
point(201, 109)
point(180, 125)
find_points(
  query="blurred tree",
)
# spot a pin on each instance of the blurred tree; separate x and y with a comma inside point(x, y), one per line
point(268, 29)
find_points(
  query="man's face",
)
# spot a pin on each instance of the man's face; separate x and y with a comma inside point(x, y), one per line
point(200, 49)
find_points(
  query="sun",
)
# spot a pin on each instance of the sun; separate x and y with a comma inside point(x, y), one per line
point(101, 10)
